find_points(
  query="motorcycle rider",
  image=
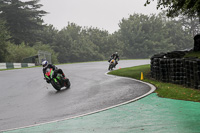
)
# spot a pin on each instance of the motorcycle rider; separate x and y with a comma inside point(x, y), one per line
point(114, 56)
point(46, 65)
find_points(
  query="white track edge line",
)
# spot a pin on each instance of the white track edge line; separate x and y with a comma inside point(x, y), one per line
point(153, 88)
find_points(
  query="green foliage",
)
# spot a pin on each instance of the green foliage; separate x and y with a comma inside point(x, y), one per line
point(18, 52)
point(191, 24)
point(192, 54)
point(181, 39)
point(143, 35)
point(64, 42)
point(48, 34)
point(139, 36)
point(74, 43)
point(177, 7)
point(4, 35)
point(23, 19)
point(44, 47)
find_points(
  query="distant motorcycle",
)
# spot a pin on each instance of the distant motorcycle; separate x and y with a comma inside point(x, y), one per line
point(112, 64)
point(58, 82)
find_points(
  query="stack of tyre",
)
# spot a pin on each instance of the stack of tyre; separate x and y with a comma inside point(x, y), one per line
point(172, 67)
point(168, 67)
point(156, 67)
point(172, 71)
point(192, 70)
point(198, 74)
point(187, 72)
point(164, 70)
point(179, 71)
point(183, 71)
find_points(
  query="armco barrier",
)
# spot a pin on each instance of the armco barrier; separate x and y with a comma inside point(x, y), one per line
point(24, 64)
point(3, 66)
point(15, 65)
point(9, 65)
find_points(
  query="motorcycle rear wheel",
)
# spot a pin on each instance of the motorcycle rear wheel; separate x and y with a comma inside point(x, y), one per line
point(67, 83)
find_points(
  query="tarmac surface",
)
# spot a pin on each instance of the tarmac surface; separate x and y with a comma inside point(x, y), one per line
point(26, 99)
point(148, 114)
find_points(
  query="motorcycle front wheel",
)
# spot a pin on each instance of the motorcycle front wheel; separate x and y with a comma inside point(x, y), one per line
point(56, 85)
point(110, 67)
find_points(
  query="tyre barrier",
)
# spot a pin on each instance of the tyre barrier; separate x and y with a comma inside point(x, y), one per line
point(15, 65)
point(183, 71)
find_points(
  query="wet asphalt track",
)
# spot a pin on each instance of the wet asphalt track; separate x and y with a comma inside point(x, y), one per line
point(26, 99)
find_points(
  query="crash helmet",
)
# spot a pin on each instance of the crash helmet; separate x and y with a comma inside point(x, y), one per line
point(116, 52)
point(44, 63)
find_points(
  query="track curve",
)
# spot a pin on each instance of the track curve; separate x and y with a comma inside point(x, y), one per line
point(26, 99)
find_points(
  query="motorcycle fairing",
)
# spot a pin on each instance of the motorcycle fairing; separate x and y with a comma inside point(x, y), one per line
point(49, 73)
point(112, 61)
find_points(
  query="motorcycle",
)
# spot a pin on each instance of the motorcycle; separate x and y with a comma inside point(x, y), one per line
point(58, 82)
point(112, 64)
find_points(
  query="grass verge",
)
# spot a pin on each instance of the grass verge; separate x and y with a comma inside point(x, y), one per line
point(166, 90)
point(193, 54)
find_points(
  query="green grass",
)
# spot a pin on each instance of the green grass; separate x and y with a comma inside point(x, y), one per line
point(193, 54)
point(166, 90)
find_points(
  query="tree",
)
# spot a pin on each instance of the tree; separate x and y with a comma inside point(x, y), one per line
point(143, 35)
point(64, 41)
point(48, 34)
point(191, 24)
point(114, 44)
point(44, 47)
point(177, 7)
point(74, 45)
point(18, 52)
point(4, 36)
point(23, 19)
point(179, 36)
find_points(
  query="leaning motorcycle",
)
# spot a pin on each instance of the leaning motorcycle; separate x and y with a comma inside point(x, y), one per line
point(57, 82)
point(112, 64)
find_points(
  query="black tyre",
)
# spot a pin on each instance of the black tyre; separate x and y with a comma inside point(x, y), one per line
point(56, 85)
point(67, 83)
point(110, 67)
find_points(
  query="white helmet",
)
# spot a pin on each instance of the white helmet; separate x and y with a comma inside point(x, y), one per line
point(44, 63)
point(116, 53)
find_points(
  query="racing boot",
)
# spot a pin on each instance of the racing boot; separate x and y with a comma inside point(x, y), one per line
point(63, 76)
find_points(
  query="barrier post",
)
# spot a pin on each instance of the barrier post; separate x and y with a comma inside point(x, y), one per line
point(142, 77)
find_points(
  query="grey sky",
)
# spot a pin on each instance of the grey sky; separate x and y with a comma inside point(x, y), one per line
point(103, 14)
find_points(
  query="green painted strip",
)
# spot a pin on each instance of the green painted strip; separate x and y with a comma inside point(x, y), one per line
point(9, 65)
point(151, 114)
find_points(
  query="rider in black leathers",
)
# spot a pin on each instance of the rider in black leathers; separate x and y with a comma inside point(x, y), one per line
point(114, 56)
point(46, 65)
